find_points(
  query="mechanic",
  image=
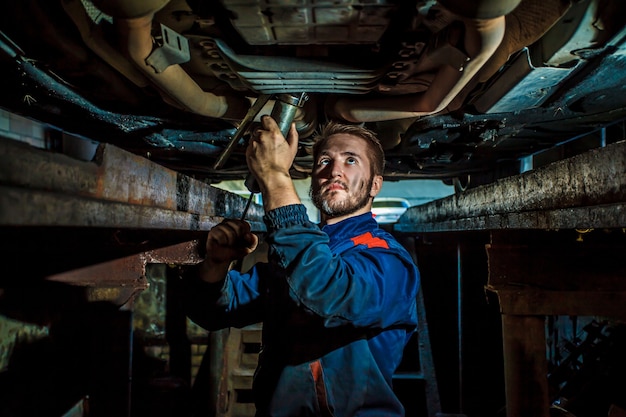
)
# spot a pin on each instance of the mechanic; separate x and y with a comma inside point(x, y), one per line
point(337, 300)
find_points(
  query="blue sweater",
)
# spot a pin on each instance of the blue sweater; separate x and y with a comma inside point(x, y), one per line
point(337, 306)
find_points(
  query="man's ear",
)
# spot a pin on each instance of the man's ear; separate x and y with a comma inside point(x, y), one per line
point(377, 184)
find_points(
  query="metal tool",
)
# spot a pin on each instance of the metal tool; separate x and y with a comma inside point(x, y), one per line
point(285, 108)
point(245, 210)
point(242, 129)
point(283, 113)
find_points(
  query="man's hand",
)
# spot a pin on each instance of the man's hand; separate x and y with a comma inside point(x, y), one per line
point(270, 156)
point(228, 241)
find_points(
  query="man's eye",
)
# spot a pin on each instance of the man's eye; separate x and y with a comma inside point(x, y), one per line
point(323, 162)
point(350, 161)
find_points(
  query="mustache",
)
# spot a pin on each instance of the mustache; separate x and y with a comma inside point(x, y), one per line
point(326, 186)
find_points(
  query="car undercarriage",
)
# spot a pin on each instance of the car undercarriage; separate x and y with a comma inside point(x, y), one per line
point(453, 89)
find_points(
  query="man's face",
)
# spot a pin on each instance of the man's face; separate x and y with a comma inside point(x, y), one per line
point(342, 183)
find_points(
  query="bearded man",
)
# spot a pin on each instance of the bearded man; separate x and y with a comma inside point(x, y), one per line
point(337, 300)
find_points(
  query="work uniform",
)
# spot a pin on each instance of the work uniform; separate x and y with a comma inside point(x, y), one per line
point(337, 306)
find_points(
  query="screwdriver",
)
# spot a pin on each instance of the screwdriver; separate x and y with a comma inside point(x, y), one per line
point(245, 210)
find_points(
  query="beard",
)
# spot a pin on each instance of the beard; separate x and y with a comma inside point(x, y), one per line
point(350, 204)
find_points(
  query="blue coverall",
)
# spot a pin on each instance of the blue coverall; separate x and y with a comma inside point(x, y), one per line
point(337, 306)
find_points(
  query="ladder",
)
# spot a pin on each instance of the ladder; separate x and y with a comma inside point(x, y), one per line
point(419, 348)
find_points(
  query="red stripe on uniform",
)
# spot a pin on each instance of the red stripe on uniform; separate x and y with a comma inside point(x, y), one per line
point(320, 388)
point(370, 241)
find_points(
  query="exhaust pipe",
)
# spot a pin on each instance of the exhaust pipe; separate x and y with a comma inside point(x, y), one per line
point(174, 83)
point(482, 36)
point(134, 22)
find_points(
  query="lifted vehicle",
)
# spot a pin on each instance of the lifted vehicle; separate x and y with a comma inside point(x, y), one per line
point(455, 89)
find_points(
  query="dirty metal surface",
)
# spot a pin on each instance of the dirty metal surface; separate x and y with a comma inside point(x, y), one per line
point(604, 216)
point(588, 190)
point(67, 188)
point(42, 208)
point(81, 219)
point(119, 281)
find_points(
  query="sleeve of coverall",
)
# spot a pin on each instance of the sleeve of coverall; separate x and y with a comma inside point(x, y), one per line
point(233, 302)
point(365, 286)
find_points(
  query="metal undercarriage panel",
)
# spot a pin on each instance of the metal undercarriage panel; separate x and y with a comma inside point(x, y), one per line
point(444, 104)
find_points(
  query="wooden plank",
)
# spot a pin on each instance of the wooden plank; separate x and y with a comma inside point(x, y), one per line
point(605, 216)
point(525, 366)
point(570, 268)
point(555, 273)
point(537, 273)
point(540, 302)
point(588, 190)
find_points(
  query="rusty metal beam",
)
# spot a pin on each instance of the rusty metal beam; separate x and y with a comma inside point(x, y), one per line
point(119, 281)
point(62, 216)
point(23, 207)
point(588, 190)
point(116, 189)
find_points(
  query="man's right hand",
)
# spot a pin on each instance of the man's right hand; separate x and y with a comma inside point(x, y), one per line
point(269, 156)
point(227, 242)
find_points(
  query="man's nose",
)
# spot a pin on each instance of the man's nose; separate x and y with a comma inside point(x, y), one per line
point(335, 169)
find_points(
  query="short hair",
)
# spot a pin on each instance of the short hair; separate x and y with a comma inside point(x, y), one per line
point(375, 151)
